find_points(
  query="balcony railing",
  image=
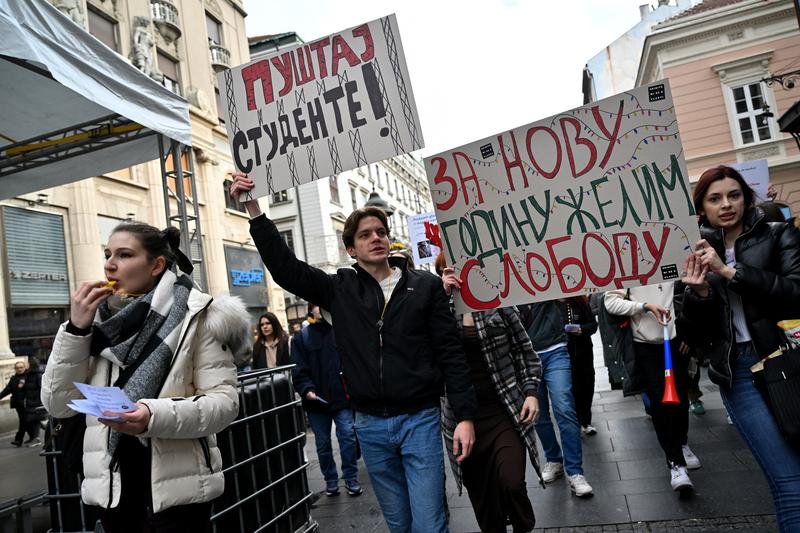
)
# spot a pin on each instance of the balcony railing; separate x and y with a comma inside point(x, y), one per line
point(165, 17)
point(220, 57)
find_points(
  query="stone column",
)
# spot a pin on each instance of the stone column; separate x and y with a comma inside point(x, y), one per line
point(84, 235)
point(5, 348)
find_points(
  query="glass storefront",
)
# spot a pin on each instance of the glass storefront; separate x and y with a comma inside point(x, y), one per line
point(32, 331)
point(37, 279)
point(247, 280)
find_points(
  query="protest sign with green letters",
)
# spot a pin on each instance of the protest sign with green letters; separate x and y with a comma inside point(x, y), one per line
point(595, 198)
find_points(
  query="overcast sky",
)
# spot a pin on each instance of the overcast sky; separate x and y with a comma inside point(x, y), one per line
point(477, 67)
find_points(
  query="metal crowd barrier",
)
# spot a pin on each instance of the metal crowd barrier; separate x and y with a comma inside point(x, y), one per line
point(266, 486)
point(15, 515)
point(68, 514)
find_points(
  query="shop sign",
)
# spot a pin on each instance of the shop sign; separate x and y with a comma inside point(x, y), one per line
point(42, 276)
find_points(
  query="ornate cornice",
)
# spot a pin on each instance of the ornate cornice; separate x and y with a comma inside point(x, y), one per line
point(672, 37)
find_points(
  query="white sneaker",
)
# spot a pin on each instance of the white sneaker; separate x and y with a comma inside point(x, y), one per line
point(589, 430)
point(692, 462)
point(579, 486)
point(679, 478)
point(551, 471)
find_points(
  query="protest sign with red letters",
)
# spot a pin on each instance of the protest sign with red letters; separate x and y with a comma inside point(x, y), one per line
point(320, 108)
point(593, 199)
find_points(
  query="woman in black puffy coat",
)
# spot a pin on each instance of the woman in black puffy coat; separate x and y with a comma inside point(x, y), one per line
point(744, 277)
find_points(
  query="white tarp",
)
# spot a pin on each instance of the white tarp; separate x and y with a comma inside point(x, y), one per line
point(320, 108)
point(89, 81)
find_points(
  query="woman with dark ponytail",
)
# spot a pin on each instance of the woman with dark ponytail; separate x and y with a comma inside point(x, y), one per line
point(147, 330)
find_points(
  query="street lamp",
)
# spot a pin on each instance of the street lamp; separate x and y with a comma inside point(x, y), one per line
point(295, 314)
point(375, 200)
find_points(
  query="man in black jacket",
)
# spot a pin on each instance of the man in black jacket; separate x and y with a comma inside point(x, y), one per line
point(400, 351)
point(24, 388)
point(317, 379)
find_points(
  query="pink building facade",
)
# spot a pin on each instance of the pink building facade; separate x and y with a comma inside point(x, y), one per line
point(715, 56)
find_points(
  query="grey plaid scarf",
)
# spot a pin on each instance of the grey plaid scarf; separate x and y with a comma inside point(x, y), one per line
point(141, 338)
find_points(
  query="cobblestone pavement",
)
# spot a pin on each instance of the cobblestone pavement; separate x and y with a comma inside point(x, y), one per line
point(750, 524)
point(626, 467)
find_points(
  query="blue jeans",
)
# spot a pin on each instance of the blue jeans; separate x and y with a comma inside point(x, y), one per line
point(321, 426)
point(405, 461)
point(779, 461)
point(557, 381)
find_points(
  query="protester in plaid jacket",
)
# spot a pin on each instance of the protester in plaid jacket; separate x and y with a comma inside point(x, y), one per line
point(505, 372)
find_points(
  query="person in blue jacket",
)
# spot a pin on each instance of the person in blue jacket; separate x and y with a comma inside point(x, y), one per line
point(317, 379)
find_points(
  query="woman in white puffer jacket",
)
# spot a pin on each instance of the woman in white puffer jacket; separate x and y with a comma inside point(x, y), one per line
point(170, 348)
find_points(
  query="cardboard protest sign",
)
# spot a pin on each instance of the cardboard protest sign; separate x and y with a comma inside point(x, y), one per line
point(756, 174)
point(424, 241)
point(596, 198)
point(321, 108)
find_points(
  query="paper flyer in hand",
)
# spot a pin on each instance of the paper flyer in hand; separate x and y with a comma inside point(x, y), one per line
point(101, 399)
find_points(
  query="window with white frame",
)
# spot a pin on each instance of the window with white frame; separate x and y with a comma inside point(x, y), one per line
point(280, 197)
point(288, 238)
point(749, 117)
point(354, 197)
point(745, 96)
point(334, 186)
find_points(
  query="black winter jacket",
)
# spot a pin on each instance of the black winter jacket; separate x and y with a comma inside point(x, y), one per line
point(260, 354)
point(396, 360)
point(578, 312)
point(543, 322)
point(767, 279)
point(317, 368)
point(25, 390)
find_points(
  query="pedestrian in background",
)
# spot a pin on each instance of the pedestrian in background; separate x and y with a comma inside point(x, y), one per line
point(271, 348)
point(169, 348)
point(545, 328)
point(651, 308)
point(580, 324)
point(743, 278)
point(317, 379)
point(25, 390)
point(505, 373)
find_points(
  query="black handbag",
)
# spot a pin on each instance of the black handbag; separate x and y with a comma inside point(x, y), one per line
point(778, 379)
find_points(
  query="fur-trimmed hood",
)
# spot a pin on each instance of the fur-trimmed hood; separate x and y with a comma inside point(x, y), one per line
point(229, 322)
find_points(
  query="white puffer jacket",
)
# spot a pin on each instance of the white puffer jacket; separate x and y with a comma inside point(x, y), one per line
point(197, 400)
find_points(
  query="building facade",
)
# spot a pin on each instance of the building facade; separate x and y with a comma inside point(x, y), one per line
point(53, 240)
point(311, 216)
point(613, 70)
point(719, 57)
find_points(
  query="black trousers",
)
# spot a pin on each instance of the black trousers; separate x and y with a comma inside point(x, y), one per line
point(27, 424)
point(494, 475)
point(134, 512)
point(671, 421)
point(582, 366)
